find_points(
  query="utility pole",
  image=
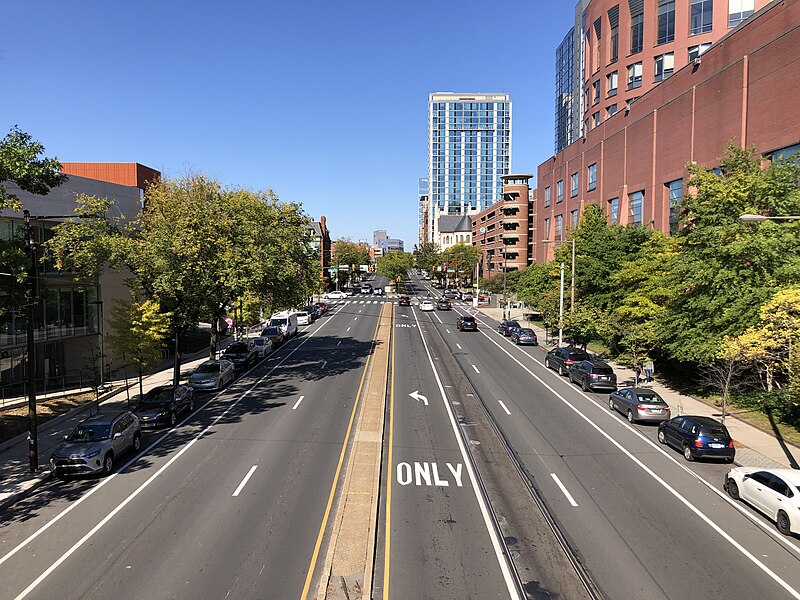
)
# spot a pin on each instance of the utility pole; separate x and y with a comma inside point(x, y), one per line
point(561, 309)
point(572, 282)
point(30, 301)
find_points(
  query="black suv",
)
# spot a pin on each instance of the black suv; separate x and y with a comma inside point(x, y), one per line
point(241, 354)
point(561, 358)
point(697, 437)
point(506, 327)
point(163, 404)
point(443, 304)
point(467, 323)
point(404, 301)
point(593, 374)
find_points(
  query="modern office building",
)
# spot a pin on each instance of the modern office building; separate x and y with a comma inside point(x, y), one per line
point(619, 50)
point(423, 196)
point(469, 149)
point(743, 90)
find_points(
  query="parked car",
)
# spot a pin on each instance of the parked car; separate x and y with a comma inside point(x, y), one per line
point(592, 374)
point(242, 354)
point(321, 307)
point(366, 289)
point(697, 437)
point(562, 357)
point(774, 492)
point(639, 404)
point(287, 321)
point(378, 291)
point(404, 301)
point(524, 336)
point(274, 334)
point(263, 346)
point(95, 443)
point(443, 304)
point(303, 318)
point(313, 311)
point(467, 323)
point(506, 327)
point(163, 404)
point(426, 305)
point(212, 375)
point(334, 295)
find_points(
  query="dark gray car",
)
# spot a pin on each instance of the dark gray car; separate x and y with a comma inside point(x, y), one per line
point(593, 374)
point(96, 443)
point(640, 404)
point(562, 357)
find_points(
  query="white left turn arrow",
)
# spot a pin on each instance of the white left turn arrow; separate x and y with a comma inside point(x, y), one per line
point(417, 396)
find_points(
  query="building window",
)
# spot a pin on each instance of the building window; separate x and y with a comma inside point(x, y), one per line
point(596, 118)
point(613, 24)
point(614, 204)
point(786, 153)
point(637, 32)
point(666, 21)
point(611, 110)
point(665, 64)
point(574, 214)
point(696, 51)
point(675, 194)
point(560, 191)
point(635, 75)
point(611, 83)
point(739, 10)
point(574, 188)
point(547, 196)
point(592, 176)
point(700, 16)
point(559, 227)
point(635, 201)
point(547, 228)
point(596, 92)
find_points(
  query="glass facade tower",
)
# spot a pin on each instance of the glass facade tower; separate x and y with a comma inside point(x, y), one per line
point(469, 149)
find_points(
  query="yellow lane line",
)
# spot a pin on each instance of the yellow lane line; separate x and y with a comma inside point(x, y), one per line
point(389, 463)
point(324, 524)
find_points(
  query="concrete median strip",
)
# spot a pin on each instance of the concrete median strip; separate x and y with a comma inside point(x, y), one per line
point(350, 557)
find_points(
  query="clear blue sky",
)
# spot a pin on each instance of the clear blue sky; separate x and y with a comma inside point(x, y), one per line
point(325, 102)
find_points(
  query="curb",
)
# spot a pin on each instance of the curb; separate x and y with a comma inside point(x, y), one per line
point(15, 497)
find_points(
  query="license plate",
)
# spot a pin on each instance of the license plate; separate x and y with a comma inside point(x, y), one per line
point(712, 445)
point(603, 378)
point(657, 410)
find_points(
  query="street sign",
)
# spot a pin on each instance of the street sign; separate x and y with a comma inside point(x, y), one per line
point(344, 267)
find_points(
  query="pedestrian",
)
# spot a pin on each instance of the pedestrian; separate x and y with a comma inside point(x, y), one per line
point(637, 367)
point(648, 369)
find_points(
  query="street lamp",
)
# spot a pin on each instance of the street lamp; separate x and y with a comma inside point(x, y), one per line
point(102, 344)
point(758, 218)
point(572, 281)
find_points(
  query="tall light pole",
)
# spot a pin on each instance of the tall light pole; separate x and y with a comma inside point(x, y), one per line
point(572, 278)
point(561, 309)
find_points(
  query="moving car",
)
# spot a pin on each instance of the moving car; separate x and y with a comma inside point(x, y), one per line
point(524, 336)
point(506, 327)
point(467, 323)
point(443, 304)
point(335, 295)
point(639, 404)
point(562, 357)
point(377, 291)
point(163, 404)
point(697, 437)
point(404, 301)
point(212, 375)
point(366, 289)
point(426, 305)
point(774, 492)
point(592, 374)
point(321, 307)
point(450, 294)
point(241, 354)
point(274, 334)
point(95, 443)
point(263, 346)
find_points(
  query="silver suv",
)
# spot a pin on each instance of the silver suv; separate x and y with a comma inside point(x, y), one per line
point(95, 444)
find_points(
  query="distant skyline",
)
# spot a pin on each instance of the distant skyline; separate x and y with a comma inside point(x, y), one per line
point(324, 103)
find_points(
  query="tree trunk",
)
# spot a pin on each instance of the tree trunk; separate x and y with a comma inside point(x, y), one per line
point(212, 348)
point(141, 388)
point(176, 365)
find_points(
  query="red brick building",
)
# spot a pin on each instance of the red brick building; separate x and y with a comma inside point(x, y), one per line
point(743, 90)
point(129, 174)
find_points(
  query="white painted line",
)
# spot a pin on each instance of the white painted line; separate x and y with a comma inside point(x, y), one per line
point(359, 312)
point(438, 319)
point(356, 318)
point(563, 489)
point(447, 330)
point(244, 481)
point(296, 404)
point(348, 329)
point(325, 362)
point(476, 368)
point(508, 412)
point(339, 343)
point(459, 345)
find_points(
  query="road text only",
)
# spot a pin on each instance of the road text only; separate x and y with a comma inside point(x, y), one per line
point(423, 473)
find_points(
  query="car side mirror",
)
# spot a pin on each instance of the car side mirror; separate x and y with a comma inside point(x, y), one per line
point(746, 476)
point(118, 435)
point(66, 437)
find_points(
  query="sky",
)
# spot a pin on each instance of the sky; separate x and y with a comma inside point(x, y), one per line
point(324, 102)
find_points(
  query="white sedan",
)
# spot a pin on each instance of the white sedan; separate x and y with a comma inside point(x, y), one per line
point(426, 305)
point(335, 295)
point(774, 492)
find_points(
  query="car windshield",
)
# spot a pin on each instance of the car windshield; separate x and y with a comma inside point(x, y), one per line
point(512, 324)
point(236, 349)
point(650, 399)
point(89, 433)
point(259, 341)
point(158, 396)
point(525, 331)
point(469, 319)
point(278, 322)
point(271, 331)
point(302, 314)
point(209, 368)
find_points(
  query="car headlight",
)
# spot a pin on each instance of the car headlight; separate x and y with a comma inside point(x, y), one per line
point(92, 454)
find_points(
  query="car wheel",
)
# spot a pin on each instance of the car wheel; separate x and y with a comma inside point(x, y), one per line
point(173, 418)
point(611, 405)
point(630, 417)
point(560, 370)
point(732, 488)
point(108, 463)
point(191, 404)
point(662, 437)
point(584, 388)
point(687, 453)
point(783, 523)
point(137, 442)
point(546, 364)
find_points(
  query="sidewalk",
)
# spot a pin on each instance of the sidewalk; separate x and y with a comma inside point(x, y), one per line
point(754, 447)
point(16, 480)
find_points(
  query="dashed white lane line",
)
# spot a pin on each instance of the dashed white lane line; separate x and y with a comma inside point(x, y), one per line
point(563, 489)
point(244, 481)
point(325, 362)
point(476, 368)
point(356, 318)
point(358, 311)
point(447, 330)
point(339, 343)
point(459, 345)
point(508, 412)
point(348, 329)
point(296, 404)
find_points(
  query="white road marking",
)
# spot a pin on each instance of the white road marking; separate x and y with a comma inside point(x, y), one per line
point(417, 396)
point(508, 412)
point(459, 345)
point(359, 312)
point(244, 481)
point(447, 330)
point(348, 329)
point(438, 319)
point(325, 362)
point(356, 318)
point(339, 343)
point(426, 473)
point(563, 489)
point(296, 404)
point(476, 368)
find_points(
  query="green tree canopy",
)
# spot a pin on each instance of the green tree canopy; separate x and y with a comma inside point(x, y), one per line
point(395, 265)
point(22, 164)
point(427, 256)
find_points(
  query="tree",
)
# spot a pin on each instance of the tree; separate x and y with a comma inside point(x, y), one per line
point(584, 324)
point(534, 282)
point(427, 256)
point(395, 265)
point(461, 258)
point(346, 252)
point(724, 370)
point(21, 164)
point(138, 330)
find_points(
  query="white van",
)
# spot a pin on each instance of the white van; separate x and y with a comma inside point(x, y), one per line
point(287, 321)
